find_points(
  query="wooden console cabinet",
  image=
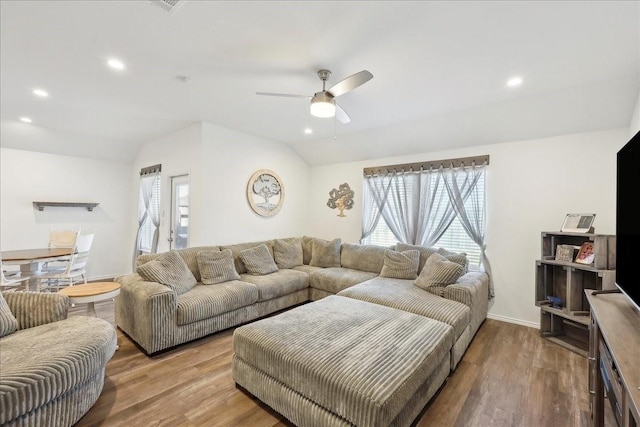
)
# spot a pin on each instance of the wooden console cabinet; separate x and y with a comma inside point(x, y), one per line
point(568, 325)
point(614, 359)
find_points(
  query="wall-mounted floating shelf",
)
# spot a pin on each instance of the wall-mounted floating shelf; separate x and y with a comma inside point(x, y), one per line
point(41, 205)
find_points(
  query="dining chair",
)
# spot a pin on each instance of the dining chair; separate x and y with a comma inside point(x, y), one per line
point(13, 282)
point(60, 239)
point(74, 270)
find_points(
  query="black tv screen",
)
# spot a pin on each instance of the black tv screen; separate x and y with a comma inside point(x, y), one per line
point(628, 220)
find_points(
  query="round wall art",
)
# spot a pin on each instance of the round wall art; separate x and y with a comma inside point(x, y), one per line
point(265, 192)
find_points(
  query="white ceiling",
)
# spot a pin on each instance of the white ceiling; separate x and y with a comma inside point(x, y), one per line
point(439, 69)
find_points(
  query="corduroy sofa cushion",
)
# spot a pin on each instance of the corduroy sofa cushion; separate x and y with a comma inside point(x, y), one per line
point(404, 295)
point(8, 322)
point(400, 265)
point(216, 267)
point(362, 257)
point(258, 260)
point(170, 270)
point(425, 252)
point(189, 255)
point(204, 302)
point(438, 273)
point(325, 253)
point(287, 253)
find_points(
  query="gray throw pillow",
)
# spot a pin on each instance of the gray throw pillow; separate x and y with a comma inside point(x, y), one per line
point(438, 273)
point(425, 252)
point(170, 270)
point(217, 267)
point(325, 253)
point(8, 322)
point(460, 258)
point(258, 260)
point(288, 253)
point(400, 265)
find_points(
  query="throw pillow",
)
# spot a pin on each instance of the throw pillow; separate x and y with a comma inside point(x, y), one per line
point(288, 253)
point(258, 260)
point(460, 258)
point(170, 270)
point(438, 272)
point(325, 253)
point(8, 322)
point(217, 267)
point(425, 252)
point(400, 265)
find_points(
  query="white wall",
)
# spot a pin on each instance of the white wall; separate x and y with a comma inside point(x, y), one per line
point(531, 185)
point(30, 176)
point(220, 162)
point(229, 159)
point(179, 154)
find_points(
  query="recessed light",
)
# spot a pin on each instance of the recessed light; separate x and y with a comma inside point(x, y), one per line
point(41, 93)
point(308, 131)
point(26, 120)
point(116, 64)
point(514, 81)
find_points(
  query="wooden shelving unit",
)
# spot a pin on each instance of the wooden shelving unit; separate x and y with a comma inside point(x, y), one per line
point(568, 325)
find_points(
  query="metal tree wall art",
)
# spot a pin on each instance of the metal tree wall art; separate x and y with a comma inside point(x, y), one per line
point(341, 199)
point(265, 193)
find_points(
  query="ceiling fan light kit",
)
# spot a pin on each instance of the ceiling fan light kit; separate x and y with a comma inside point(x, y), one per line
point(323, 104)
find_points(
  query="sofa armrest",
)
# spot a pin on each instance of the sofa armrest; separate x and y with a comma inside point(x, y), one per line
point(472, 289)
point(146, 311)
point(33, 309)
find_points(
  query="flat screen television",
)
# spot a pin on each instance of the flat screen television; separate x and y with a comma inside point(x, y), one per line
point(628, 220)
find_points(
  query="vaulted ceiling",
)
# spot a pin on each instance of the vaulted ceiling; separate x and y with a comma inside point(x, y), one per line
point(440, 71)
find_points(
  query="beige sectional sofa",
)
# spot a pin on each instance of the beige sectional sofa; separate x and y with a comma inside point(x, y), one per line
point(158, 317)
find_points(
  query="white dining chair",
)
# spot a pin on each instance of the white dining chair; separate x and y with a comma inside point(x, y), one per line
point(60, 239)
point(14, 281)
point(74, 270)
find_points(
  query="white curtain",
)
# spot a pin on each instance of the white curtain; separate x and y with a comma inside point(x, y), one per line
point(148, 210)
point(468, 201)
point(419, 206)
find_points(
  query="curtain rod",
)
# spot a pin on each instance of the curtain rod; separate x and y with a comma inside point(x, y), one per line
point(435, 164)
point(151, 170)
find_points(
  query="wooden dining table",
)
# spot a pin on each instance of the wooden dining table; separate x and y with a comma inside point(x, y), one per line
point(31, 260)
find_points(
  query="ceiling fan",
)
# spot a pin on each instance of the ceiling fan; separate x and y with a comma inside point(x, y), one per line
point(323, 103)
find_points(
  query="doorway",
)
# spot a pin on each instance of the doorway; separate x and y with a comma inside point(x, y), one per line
point(179, 228)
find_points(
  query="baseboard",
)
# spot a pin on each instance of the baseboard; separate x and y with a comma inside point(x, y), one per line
point(512, 320)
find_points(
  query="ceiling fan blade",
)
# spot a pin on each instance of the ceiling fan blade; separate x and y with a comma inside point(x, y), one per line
point(341, 115)
point(288, 95)
point(350, 83)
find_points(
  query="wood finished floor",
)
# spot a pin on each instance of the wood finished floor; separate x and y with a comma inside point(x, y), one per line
point(509, 376)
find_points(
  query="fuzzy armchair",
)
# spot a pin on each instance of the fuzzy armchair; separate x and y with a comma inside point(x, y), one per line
point(53, 367)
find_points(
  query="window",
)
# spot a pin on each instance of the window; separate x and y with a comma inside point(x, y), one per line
point(148, 229)
point(148, 212)
point(454, 237)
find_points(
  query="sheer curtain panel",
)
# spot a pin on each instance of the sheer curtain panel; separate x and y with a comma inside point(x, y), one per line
point(148, 212)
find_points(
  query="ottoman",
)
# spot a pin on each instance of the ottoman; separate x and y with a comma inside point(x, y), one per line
point(341, 362)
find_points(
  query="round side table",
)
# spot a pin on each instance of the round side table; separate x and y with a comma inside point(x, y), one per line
point(91, 293)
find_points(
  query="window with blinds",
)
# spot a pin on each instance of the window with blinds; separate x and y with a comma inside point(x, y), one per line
point(454, 239)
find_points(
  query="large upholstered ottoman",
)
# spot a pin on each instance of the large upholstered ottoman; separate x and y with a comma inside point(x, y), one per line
point(342, 362)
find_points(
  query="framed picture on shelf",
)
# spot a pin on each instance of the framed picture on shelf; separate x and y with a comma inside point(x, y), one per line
point(585, 254)
point(565, 253)
point(578, 223)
